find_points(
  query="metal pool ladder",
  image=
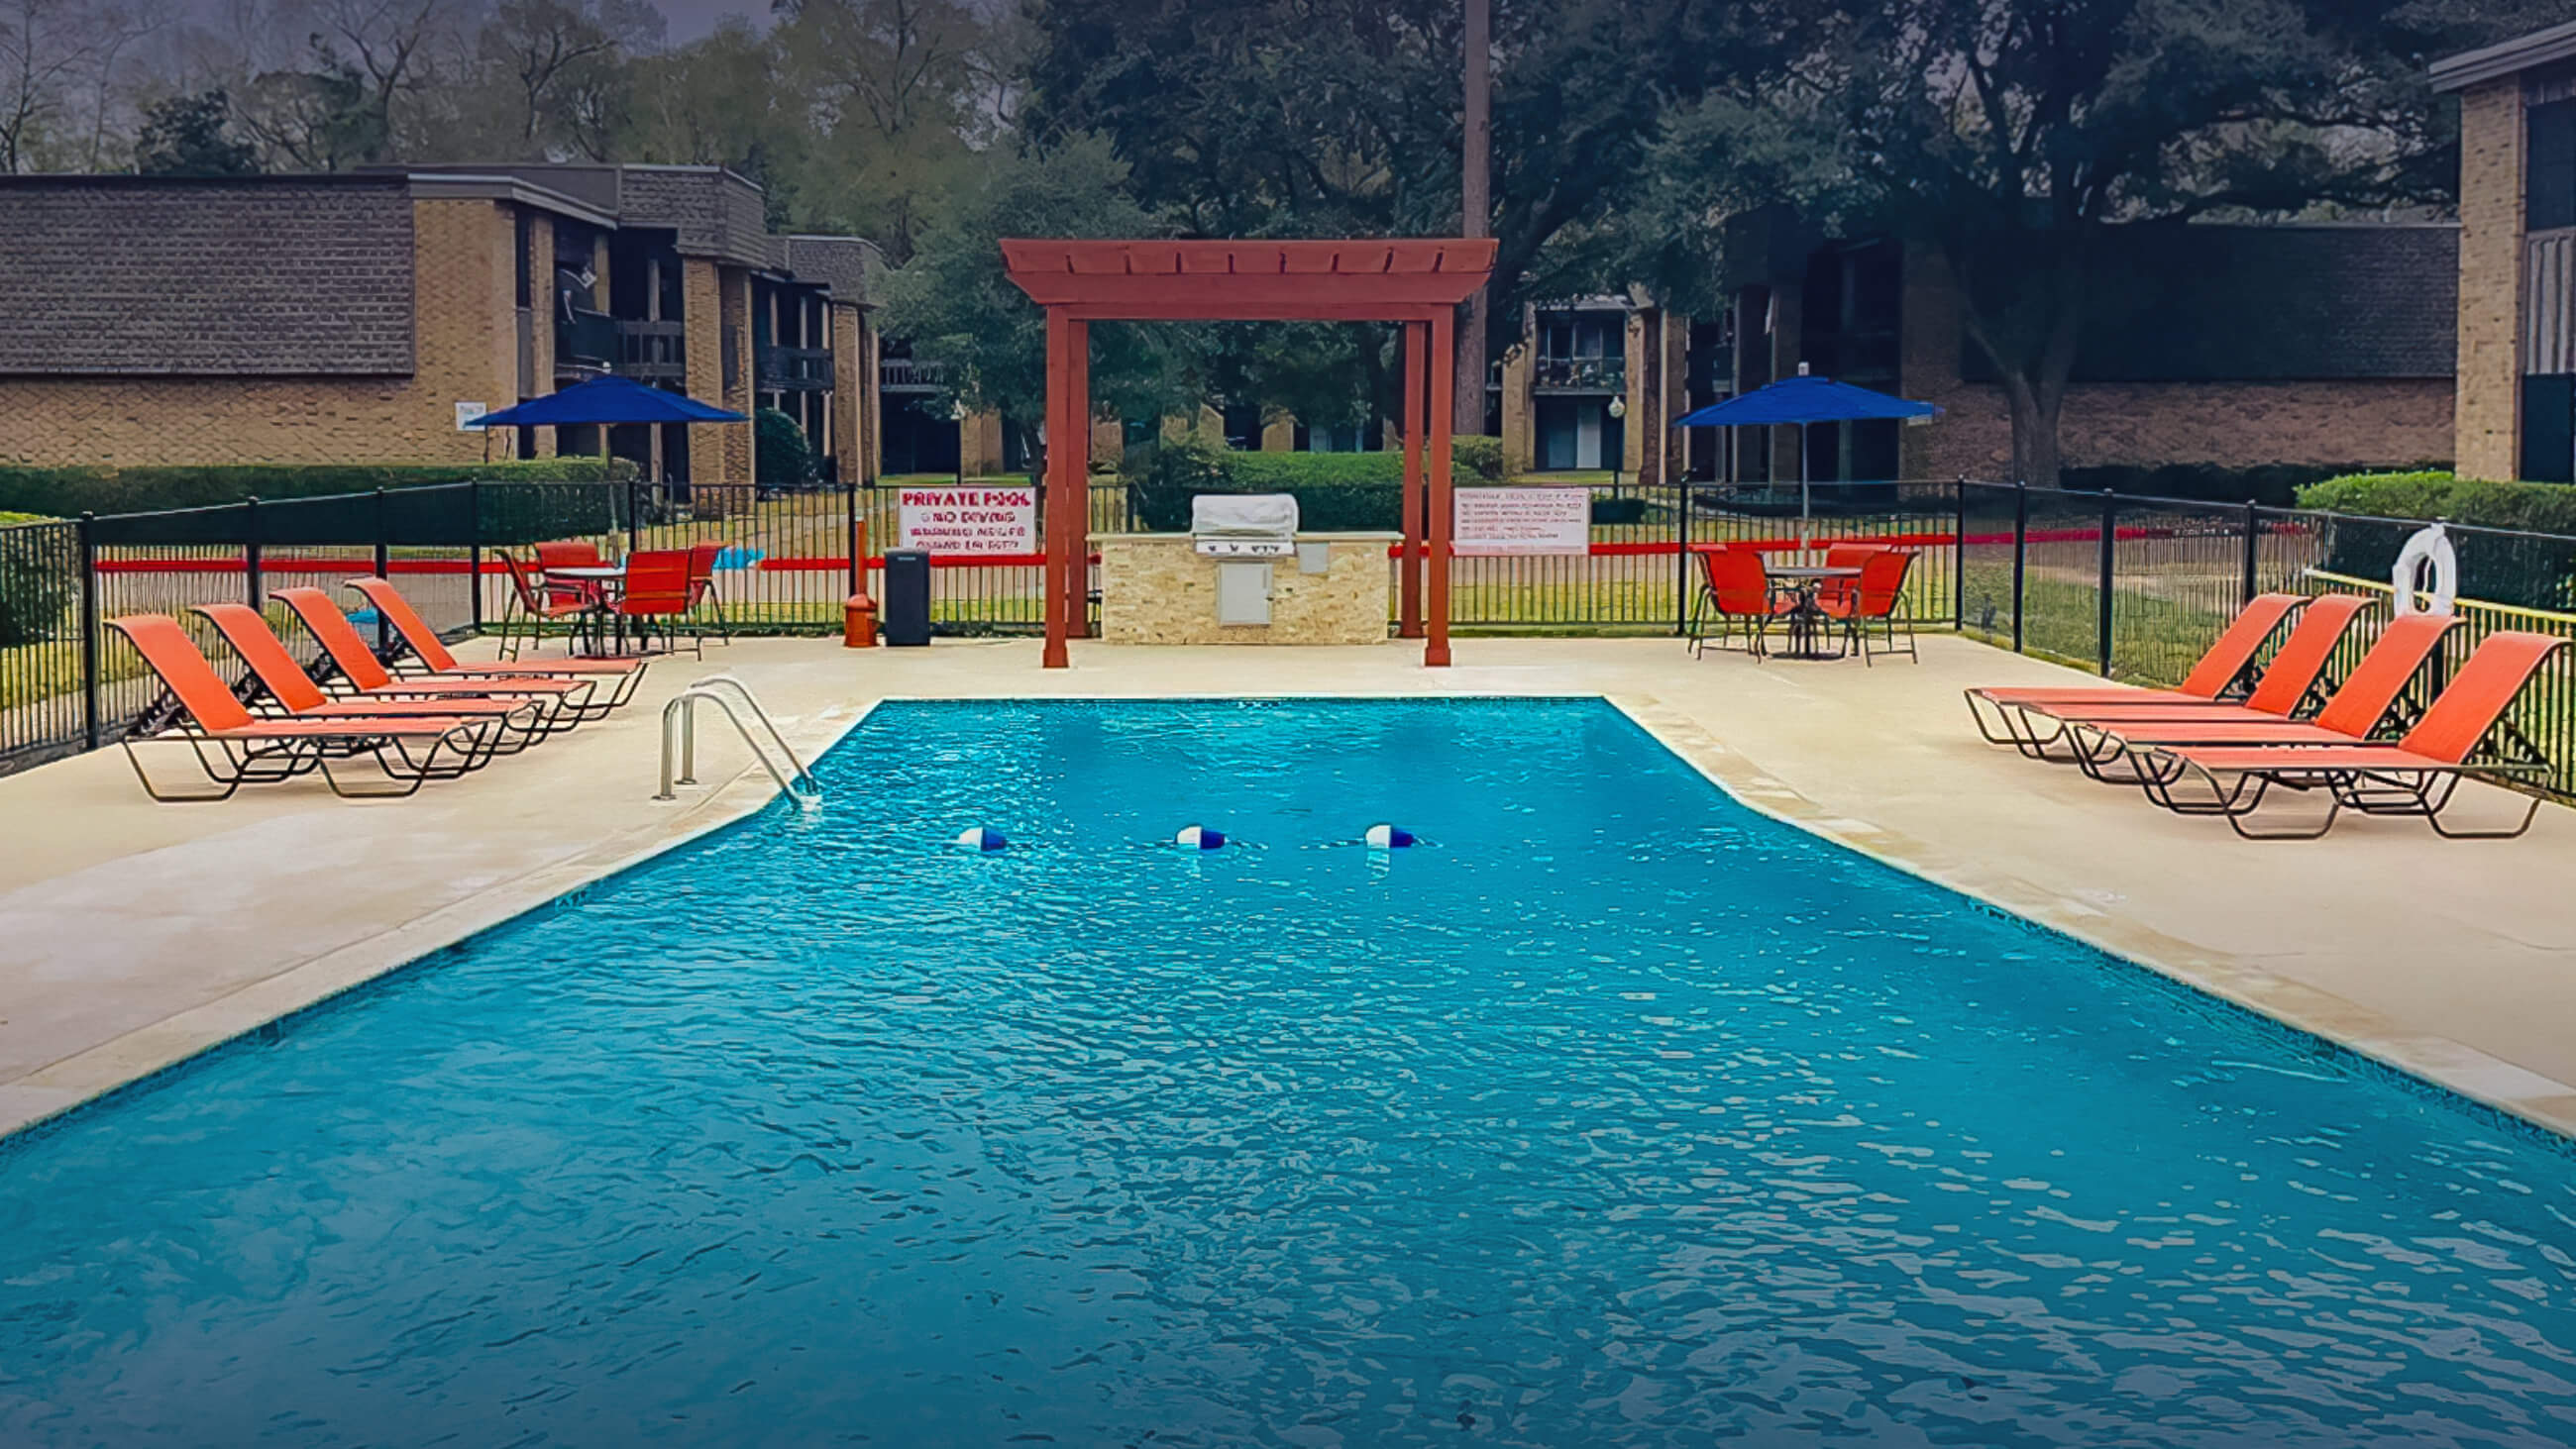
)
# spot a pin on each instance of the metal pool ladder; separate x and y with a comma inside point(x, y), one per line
point(680, 736)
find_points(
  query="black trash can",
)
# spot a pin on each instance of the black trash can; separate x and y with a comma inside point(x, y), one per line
point(906, 605)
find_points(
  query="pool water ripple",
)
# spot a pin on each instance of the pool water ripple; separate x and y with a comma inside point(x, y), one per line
point(1614, 1114)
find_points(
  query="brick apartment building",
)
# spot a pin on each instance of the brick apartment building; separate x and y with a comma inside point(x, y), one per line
point(360, 317)
point(2517, 276)
point(2228, 346)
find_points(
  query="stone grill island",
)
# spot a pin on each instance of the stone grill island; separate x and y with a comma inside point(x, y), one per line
point(1244, 574)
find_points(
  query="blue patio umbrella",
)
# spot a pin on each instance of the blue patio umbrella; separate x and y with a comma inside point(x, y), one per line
point(1799, 401)
point(610, 401)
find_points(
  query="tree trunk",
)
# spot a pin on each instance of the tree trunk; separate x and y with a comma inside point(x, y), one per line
point(2034, 405)
point(1476, 208)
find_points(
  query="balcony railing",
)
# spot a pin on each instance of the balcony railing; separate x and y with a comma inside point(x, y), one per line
point(903, 374)
point(1580, 374)
point(652, 351)
point(795, 369)
point(585, 344)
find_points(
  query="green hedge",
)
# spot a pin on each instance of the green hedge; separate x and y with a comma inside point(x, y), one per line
point(1335, 492)
point(2272, 484)
point(2533, 572)
point(68, 492)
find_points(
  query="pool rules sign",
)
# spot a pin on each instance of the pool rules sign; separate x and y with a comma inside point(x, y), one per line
point(1504, 522)
point(965, 522)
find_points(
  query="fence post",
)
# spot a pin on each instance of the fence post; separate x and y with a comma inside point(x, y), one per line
point(89, 627)
point(2021, 553)
point(474, 551)
point(1959, 562)
point(2253, 547)
point(1681, 565)
point(251, 549)
point(858, 564)
point(634, 517)
point(384, 564)
point(2110, 541)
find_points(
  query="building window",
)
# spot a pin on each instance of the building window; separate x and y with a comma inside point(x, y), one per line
point(2549, 429)
point(2549, 171)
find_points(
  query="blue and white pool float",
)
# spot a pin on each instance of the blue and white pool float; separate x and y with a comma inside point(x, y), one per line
point(982, 838)
point(1388, 837)
point(1199, 837)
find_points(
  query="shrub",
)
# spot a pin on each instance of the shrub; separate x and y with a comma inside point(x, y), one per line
point(1335, 492)
point(780, 455)
point(39, 573)
point(2533, 572)
point(2272, 484)
point(68, 492)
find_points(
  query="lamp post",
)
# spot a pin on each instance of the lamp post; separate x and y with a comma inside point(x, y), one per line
point(957, 414)
point(1618, 410)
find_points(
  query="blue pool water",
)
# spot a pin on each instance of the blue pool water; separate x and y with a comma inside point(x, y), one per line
point(1614, 1114)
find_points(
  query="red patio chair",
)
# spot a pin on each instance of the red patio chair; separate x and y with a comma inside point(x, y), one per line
point(1735, 589)
point(572, 555)
point(1844, 556)
point(537, 607)
point(658, 590)
point(1874, 602)
point(702, 585)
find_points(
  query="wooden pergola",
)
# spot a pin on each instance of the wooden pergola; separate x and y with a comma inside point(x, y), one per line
point(1417, 282)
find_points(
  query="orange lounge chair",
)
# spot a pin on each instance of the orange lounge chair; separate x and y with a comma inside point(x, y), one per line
point(360, 667)
point(2290, 677)
point(432, 656)
point(2350, 716)
point(236, 748)
point(363, 673)
point(2221, 671)
point(2419, 775)
point(523, 720)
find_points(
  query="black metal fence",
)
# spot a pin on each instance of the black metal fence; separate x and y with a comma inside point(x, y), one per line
point(2132, 587)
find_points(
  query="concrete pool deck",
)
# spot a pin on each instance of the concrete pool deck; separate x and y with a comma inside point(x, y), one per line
point(134, 935)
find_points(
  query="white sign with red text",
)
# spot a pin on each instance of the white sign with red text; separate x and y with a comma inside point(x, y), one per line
point(969, 521)
point(1503, 522)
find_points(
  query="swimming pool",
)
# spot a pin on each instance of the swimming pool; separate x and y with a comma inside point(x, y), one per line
point(1613, 1114)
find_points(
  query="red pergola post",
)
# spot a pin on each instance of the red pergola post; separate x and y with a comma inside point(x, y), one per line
point(1409, 558)
point(1435, 650)
point(1077, 580)
point(1059, 452)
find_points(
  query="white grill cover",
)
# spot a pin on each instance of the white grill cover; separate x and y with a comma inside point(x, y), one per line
point(1243, 515)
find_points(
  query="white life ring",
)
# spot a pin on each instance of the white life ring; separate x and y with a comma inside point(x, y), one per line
point(2429, 545)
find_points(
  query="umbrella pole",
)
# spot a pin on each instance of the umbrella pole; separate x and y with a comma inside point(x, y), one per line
point(1802, 488)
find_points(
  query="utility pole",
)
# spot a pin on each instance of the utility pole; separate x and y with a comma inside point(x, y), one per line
point(1476, 198)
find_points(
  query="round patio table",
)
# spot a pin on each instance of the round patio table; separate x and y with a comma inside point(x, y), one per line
point(609, 580)
point(1807, 622)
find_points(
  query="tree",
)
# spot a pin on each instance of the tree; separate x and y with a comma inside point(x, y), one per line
point(556, 56)
point(57, 57)
point(959, 308)
point(892, 86)
point(2008, 135)
point(191, 136)
point(1343, 117)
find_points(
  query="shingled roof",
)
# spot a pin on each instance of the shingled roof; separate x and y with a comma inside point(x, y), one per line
point(234, 276)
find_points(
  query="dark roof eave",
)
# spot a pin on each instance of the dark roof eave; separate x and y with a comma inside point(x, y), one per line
point(2523, 52)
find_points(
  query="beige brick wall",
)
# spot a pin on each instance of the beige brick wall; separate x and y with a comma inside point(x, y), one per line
point(2370, 422)
point(2488, 416)
point(853, 379)
point(540, 322)
point(1520, 424)
point(465, 350)
point(1157, 590)
point(713, 300)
